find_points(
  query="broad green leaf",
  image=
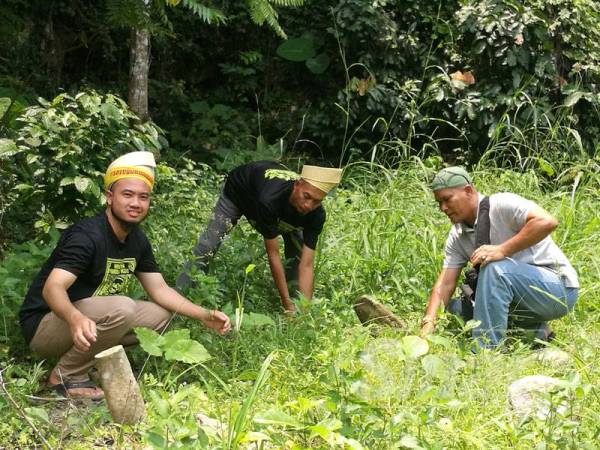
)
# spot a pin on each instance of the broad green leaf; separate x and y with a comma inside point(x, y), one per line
point(321, 431)
point(150, 340)
point(257, 320)
point(162, 407)
point(408, 441)
point(296, 49)
point(276, 417)
point(187, 351)
point(326, 429)
point(5, 103)
point(318, 64)
point(110, 111)
point(139, 144)
point(414, 346)
point(176, 335)
point(479, 46)
point(68, 118)
point(156, 440)
point(8, 148)
point(572, 99)
point(434, 366)
point(471, 324)
point(307, 404)
point(33, 141)
point(82, 183)
point(250, 268)
point(442, 341)
point(545, 167)
point(199, 107)
point(38, 413)
point(256, 436)
point(353, 444)
point(331, 424)
point(66, 181)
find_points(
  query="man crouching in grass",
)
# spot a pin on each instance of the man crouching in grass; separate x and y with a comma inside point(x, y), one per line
point(76, 307)
point(523, 275)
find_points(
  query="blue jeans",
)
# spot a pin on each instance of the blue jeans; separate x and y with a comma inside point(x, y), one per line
point(529, 295)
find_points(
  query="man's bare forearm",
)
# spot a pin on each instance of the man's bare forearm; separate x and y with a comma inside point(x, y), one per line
point(306, 276)
point(534, 231)
point(58, 300)
point(173, 301)
point(277, 271)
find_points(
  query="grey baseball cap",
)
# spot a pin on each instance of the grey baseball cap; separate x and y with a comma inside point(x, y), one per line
point(451, 177)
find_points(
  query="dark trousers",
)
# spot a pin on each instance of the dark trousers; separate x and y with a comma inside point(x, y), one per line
point(225, 216)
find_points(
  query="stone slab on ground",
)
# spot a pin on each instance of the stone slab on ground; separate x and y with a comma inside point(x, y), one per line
point(553, 357)
point(526, 396)
point(371, 311)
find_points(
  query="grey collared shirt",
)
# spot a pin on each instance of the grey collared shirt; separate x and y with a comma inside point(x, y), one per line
point(508, 214)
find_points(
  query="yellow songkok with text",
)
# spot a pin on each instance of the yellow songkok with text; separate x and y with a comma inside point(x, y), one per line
point(138, 165)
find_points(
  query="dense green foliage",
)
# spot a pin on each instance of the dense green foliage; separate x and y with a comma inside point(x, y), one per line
point(413, 77)
point(53, 162)
point(329, 382)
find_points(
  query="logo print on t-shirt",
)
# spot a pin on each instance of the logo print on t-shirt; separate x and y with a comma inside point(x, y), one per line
point(117, 277)
point(281, 174)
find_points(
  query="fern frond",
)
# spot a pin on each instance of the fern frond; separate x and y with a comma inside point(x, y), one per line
point(206, 13)
point(288, 3)
point(127, 13)
point(261, 11)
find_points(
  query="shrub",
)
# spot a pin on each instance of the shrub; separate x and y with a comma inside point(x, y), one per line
point(51, 165)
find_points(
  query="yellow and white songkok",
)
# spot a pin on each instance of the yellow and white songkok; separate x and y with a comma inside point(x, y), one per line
point(323, 178)
point(138, 165)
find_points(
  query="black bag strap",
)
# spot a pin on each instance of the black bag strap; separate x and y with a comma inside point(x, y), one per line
point(482, 233)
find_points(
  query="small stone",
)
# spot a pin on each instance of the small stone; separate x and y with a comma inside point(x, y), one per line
point(553, 357)
point(371, 311)
point(526, 396)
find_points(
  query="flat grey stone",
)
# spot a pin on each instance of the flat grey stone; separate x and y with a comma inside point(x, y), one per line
point(553, 357)
point(527, 399)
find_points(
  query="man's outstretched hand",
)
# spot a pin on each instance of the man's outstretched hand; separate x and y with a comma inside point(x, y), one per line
point(217, 321)
point(427, 326)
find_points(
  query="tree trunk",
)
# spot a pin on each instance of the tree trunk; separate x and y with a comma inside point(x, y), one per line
point(120, 387)
point(139, 67)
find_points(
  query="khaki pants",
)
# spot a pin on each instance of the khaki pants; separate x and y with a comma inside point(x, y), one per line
point(115, 318)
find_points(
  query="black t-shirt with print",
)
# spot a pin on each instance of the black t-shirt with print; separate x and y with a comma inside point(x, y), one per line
point(261, 190)
point(104, 266)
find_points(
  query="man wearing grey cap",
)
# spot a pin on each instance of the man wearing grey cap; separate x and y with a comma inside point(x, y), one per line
point(523, 276)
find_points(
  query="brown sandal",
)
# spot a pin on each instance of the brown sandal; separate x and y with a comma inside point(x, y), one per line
point(64, 388)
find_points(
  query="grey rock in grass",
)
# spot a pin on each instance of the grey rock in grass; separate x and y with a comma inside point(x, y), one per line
point(371, 311)
point(527, 396)
point(553, 357)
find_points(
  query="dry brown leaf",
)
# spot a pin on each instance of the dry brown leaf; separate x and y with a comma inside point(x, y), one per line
point(467, 77)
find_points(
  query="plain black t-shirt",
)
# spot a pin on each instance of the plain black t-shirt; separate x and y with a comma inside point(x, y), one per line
point(261, 190)
point(104, 266)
